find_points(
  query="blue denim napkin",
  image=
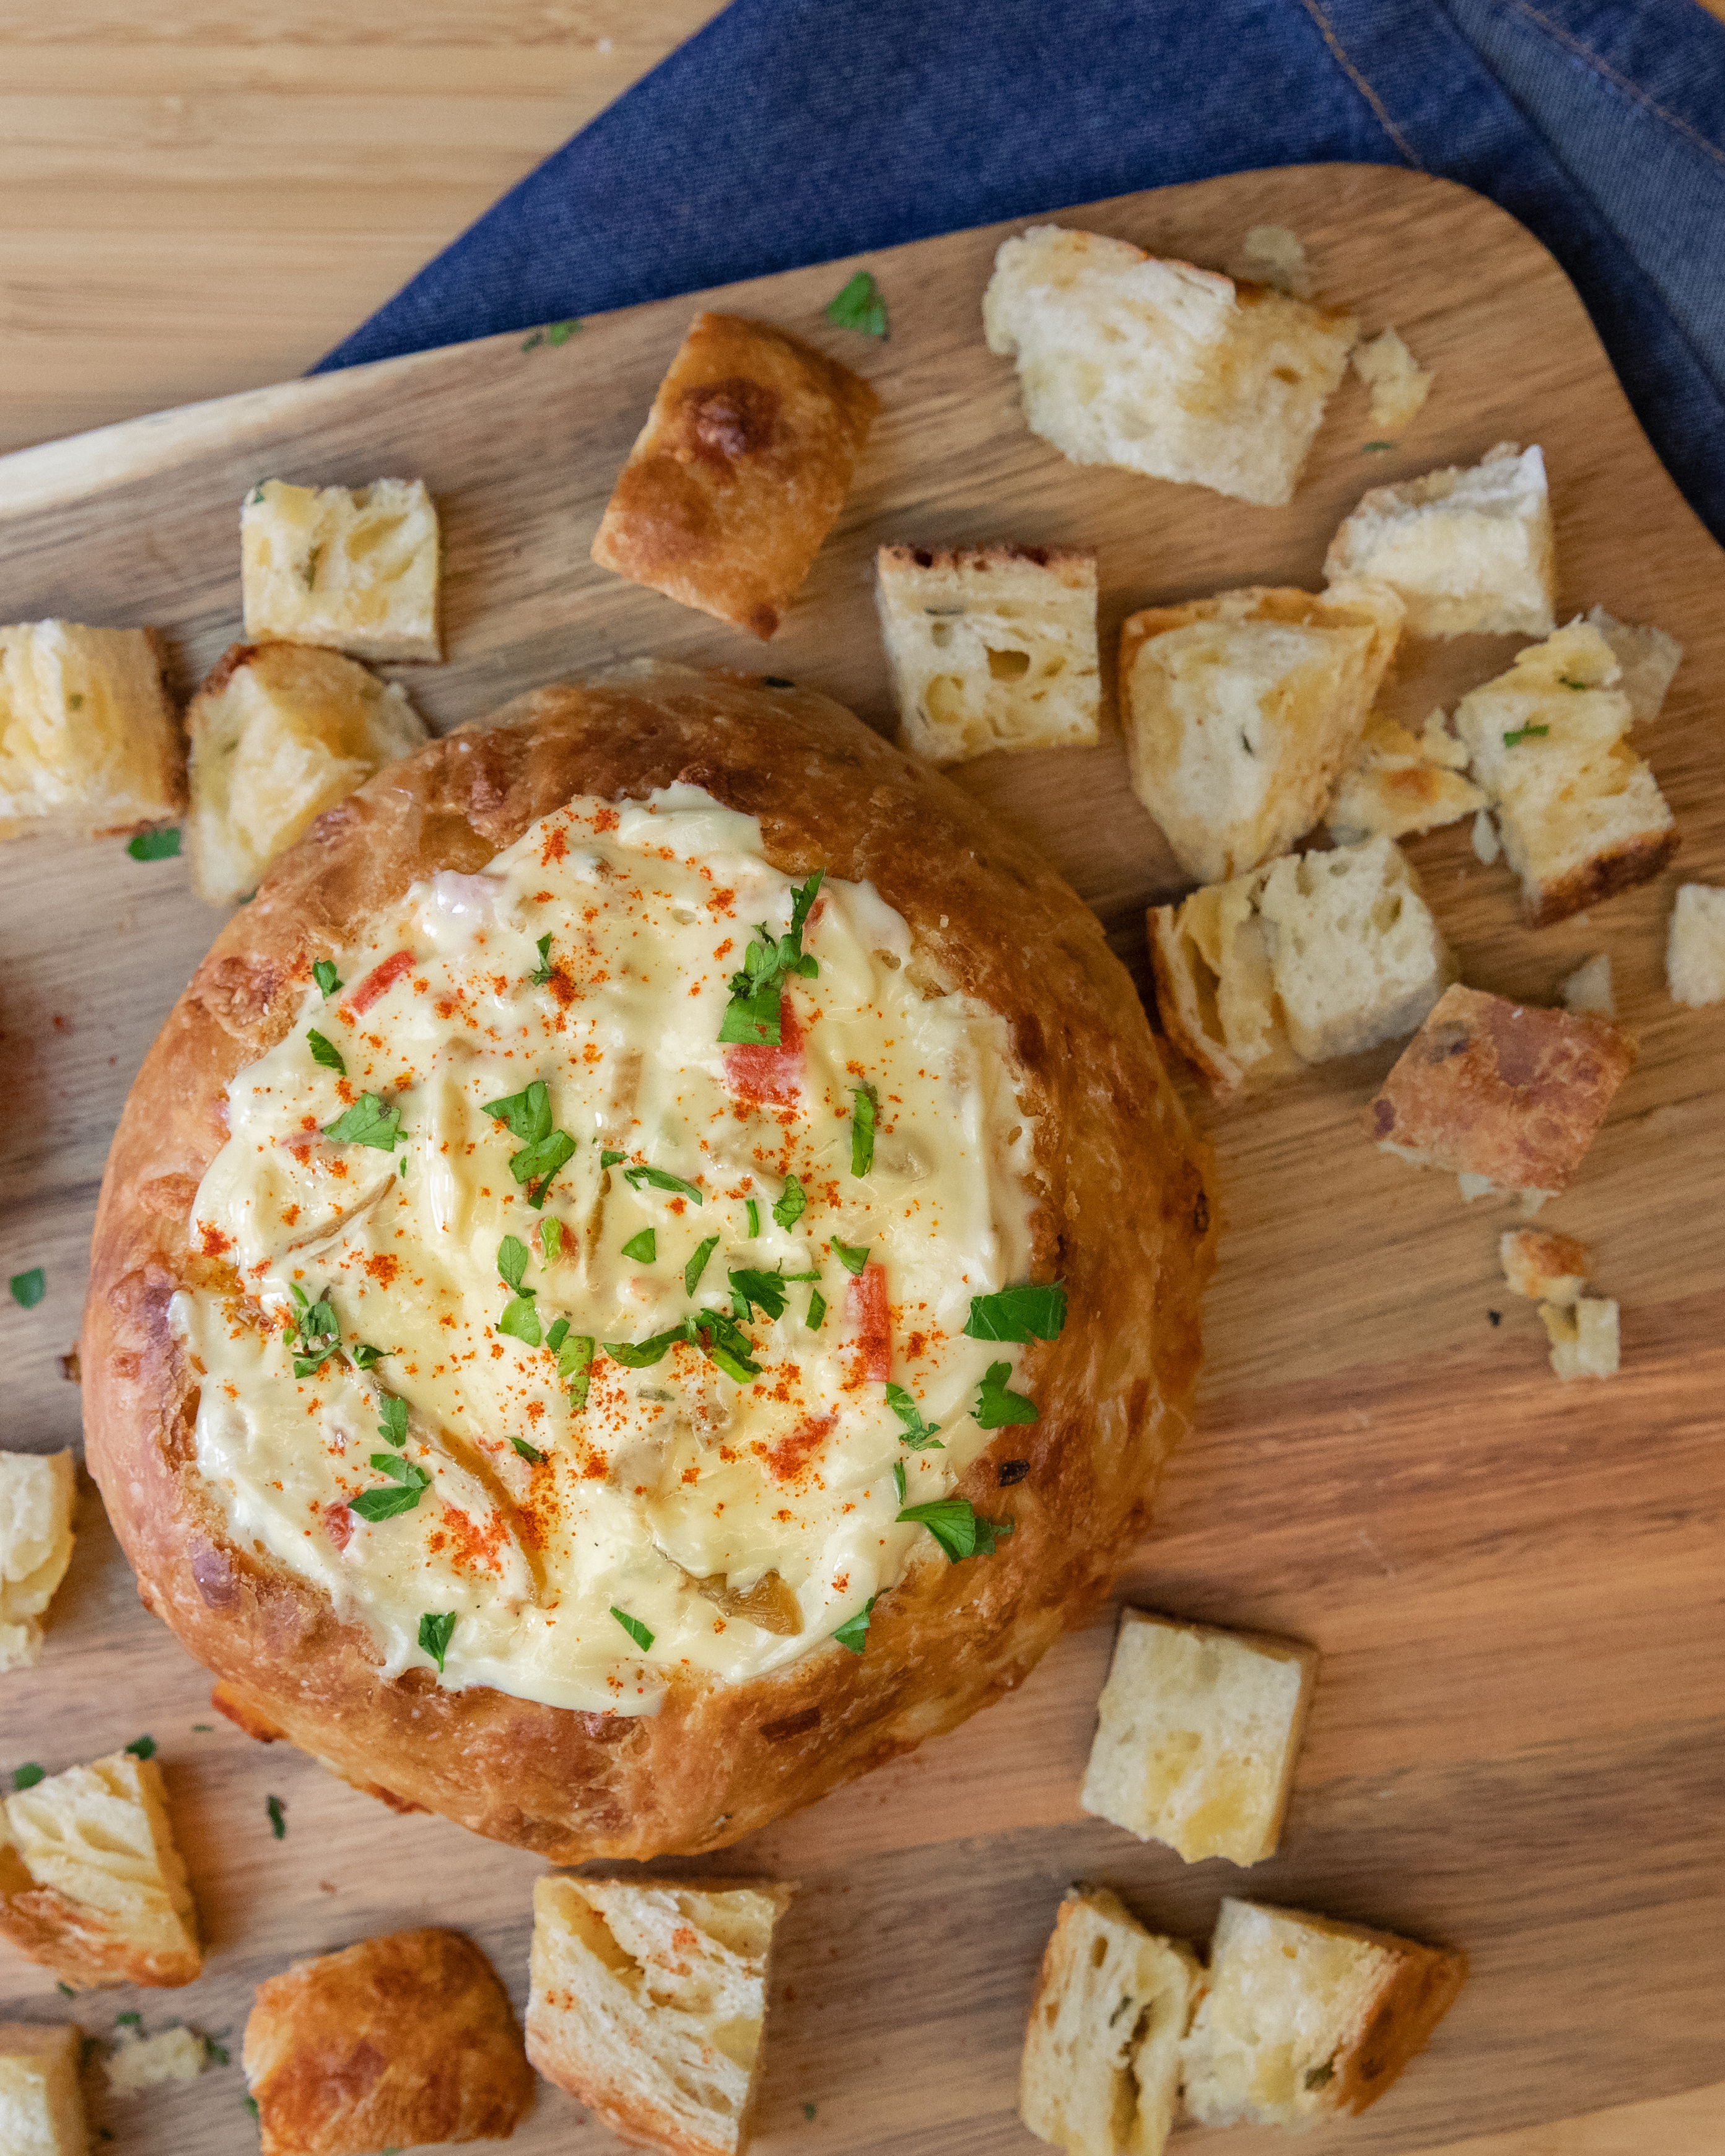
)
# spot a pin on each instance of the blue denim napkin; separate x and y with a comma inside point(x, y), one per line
point(791, 132)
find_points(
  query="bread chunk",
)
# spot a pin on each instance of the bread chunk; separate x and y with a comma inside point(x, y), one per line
point(1588, 988)
point(146, 2062)
point(1306, 2017)
point(280, 732)
point(89, 741)
point(391, 2043)
point(41, 2103)
point(1582, 1335)
point(1544, 1267)
point(1648, 657)
point(1274, 255)
point(38, 1494)
point(1315, 956)
point(1241, 711)
point(1159, 368)
point(1469, 548)
point(1100, 2074)
point(355, 569)
point(648, 2001)
point(91, 1883)
point(1398, 384)
point(1198, 1729)
point(1402, 783)
point(1579, 814)
point(1695, 946)
point(739, 474)
point(1505, 1095)
point(990, 647)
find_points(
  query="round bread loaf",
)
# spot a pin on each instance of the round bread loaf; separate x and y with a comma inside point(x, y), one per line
point(1118, 1210)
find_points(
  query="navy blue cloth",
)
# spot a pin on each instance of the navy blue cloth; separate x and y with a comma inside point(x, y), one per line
point(792, 132)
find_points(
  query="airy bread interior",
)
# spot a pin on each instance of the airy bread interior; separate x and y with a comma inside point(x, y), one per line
point(1695, 946)
point(1582, 1335)
point(41, 2103)
point(1544, 1267)
point(38, 1493)
point(1402, 783)
point(355, 569)
point(89, 741)
point(1588, 988)
point(1398, 384)
point(146, 2063)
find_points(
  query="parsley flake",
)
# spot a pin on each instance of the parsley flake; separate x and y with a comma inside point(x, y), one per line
point(854, 1632)
point(609, 1158)
point(1569, 684)
point(326, 977)
point(898, 1479)
point(853, 1256)
point(1515, 738)
point(408, 1483)
point(643, 1354)
point(530, 1453)
point(29, 1775)
point(1368, 447)
point(697, 1263)
point(867, 1107)
point(644, 1248)
point(315, 1335)
point(324, 1051)
point(434, 1632)
point(367, 1123)
point(635, 1628)
point(155, 846)
point(792, 1206)
point(543, 971)
point(754, 1213)
point(393, 1428)
point(918, 1435)
point(861, 305)
point(726, 1345)
point(752, 1017)
point(658, 1178)
point(544, 1150)
point(752, 1289)
point(28, 1289)
point(1028, 1312)
point(364, 1357)
point(957, 1527)
point(551, 1239)
point(817, 1311)
point(143, 1748)
point(278, 1826)
point(574, 1364)
point(995, 1407)
point(512, 1263)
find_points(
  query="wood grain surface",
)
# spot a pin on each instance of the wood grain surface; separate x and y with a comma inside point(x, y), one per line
point(1515, 1585)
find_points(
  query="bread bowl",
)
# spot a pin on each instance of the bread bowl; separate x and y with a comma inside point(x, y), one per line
point(645, 1749)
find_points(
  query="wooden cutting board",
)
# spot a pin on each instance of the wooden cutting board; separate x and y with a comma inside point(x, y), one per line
point(1516, 1745)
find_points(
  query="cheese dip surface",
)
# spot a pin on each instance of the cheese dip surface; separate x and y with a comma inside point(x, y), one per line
point(613, 1338)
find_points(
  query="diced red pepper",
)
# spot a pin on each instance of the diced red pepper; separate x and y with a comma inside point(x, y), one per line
point(379, 980)
point(771, 1076)
point(865, 1307)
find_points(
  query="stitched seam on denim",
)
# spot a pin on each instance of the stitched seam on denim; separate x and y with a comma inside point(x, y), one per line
point(1632, 90)
point(1338, 53)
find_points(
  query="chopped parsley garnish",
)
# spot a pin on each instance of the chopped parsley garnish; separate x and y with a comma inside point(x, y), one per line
point(313, 557)
point(551, 1239)
point(28, 1289)
point(752, 1289)
point(817, 1311)
point(543, 971)
point(754, 1213)
point(792, 1206)
point(278, 1826)
point(29, 1775)
point(861, 306)
point(326, 976)
point(918, 1435)
point(544, 1149)
point(143, 1748)
point(852, 1256)
point(367, 1123)
point(1569, 684)
point(530, 1453)
point(558, 1333)
point(635, 1628)
point(130, 2021)
point(697, 1265)
point(393, 1428)
point(408, 1483)
point(434, 1634)
point(155, 846)
point(1513, 739)
point(251, 2102)
point(315, 1335)
point(519, 1320)
point(661, 1179)
point(364, 1357)
point(957, 1527)
point(1317, 2077)
point(1369, 446)
point(725, 1344)
point(512, 1262)
point(898, 1479)
point(609, 1158)
point(751, 1015)
point(644, 1248)
point(1018, 1313)
point(854, 1630)
point(995, 1407)
point(643, 1354)
point(325, 1051)
point(574, 1362)
point(554, 334)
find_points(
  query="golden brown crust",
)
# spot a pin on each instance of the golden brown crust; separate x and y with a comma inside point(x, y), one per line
point(81, 1945)
point(717, 1761)
point(229, 1700)
point(1637, 860)
point(739, 473)
point(1505, 1091)
point(1074, 564)
point(1173, 992)
point(1279, 603)
point(1404, 2014)
point(394, 2043)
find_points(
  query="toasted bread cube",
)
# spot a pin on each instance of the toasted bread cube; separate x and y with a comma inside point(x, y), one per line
point(1588, 988)
point(648, 2001)
point(1582, 1335)
point(1241, 711)
point(1306, 2017)
point(1507, 1096)
point(1544, 1267)
point(143, 2062)
point(1469, 548)
point(1579, 814)
point(91, 1883)
point(1695, 946)
point(393, 2042)
point(990, 647)
point(1274, 255)
point(1161, 368)
point(739, 474)
point(1101, 2072)
point(1197, 1733)
point(39, 1495)
point(89, 741)
point(355, 569)
point(1317, 955)
point(1649, 659)
point(280, 732)
point(41, 2103)
point(1398, 384)
point(1402, 783)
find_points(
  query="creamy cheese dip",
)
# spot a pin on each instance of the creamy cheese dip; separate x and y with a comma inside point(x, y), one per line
point(737, 1520)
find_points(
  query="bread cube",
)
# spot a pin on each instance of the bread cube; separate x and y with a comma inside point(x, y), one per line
point(1579, 814)
point(1306, 2017)
point(41, 2103)
point(393, 2042)
point(280, 732)
point(990, 647)
point(739, 474)
point(1582, 1335)
point(1161, 368)
point(89, 741)
point(1241, 712)
point(1649, 659)
point(91, 1884)
point(1197, 1733)
point(139, 2062)
point(1398, 384)
point(1504, 1095)
point(648, 2001)
point(1544, 1267)
point(1695, 946)
point(39, 1495)
point(1315, 956)
point(355, 569)
point(1469, 548)
point(1588, 988)
point(1101, 2072)
point(1401, 784)
point(1274, 255)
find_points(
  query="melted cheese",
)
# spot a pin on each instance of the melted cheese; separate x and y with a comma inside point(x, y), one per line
point(739, 1523)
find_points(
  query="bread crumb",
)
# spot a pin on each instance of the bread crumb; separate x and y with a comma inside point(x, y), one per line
point(1649, 659)
point(1588, 988)
point(1398, 384)
point(1695, 946)
point(1486, 844)
point(1402, 783)
point(146, 2063)
point(1271, 255)
point(1582, 1335)
point(1544, 1267)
